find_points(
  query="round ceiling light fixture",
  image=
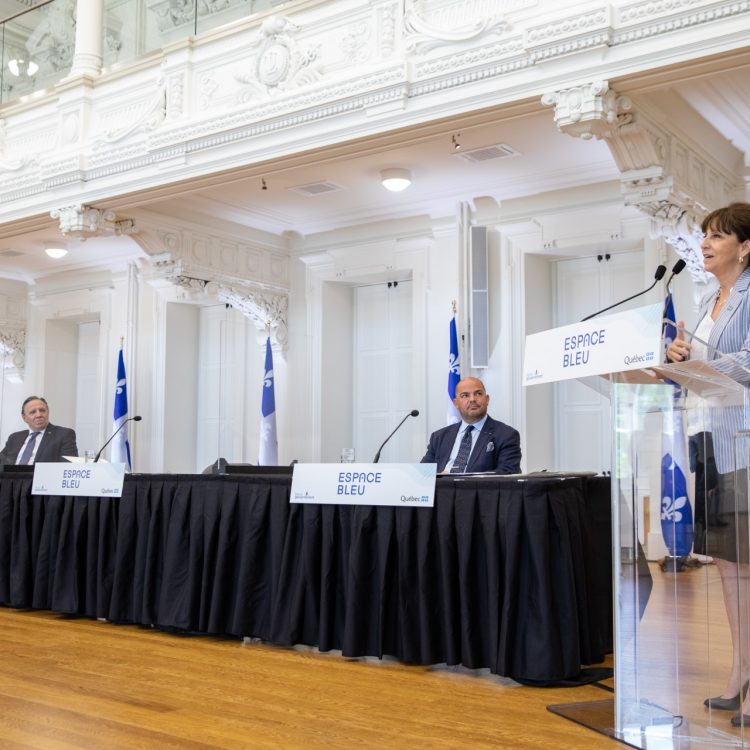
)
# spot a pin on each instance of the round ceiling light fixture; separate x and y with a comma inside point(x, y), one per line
point(56, 250)
point(395, 180)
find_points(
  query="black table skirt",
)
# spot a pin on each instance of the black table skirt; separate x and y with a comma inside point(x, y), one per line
point(506, 574)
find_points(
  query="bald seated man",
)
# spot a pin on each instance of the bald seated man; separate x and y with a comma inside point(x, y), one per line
point(43, 442)
point(478, 442)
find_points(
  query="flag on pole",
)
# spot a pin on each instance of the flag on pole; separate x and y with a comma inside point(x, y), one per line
point(268, 455)
point(120, 451)
point(676, 512)
point(454, 371)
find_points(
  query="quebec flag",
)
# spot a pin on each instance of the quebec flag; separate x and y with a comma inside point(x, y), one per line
point(268, 455)
point(454, 374)
point(120, 451)
point(676, 512)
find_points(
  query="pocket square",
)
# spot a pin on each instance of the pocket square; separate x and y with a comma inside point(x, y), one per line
point(490, 447)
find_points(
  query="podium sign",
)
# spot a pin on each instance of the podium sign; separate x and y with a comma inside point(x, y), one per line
point(364, 484)
point(87, 480)
point(628, 340)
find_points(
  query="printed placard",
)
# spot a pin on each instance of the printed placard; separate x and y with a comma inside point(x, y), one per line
point(87, 480)
point(364, 484)
point(627, 340)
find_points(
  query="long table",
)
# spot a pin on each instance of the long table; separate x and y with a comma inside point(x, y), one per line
point(513, 575)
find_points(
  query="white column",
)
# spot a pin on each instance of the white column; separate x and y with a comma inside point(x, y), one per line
point(87, 59)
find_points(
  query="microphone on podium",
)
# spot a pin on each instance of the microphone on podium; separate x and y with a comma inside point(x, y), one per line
point(676, 268)
point(111, 437)
point(412, 413)
point(658, 275)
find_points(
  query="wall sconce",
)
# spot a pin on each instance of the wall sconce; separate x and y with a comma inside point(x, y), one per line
point(395, 180)
point(454, 141)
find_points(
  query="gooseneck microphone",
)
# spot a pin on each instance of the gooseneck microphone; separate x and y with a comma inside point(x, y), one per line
point(658, 275)
point(412, 413)
point(111, 437)
point(676, 268)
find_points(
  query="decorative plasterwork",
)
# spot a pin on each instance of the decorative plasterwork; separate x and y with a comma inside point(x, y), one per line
point(146, 116)
point(591, 110)
point(269, 312)
point(663, 177)
point(335, 62)
point(280, 62)
point(85, 221)
point(429, 24)
point(12, 347)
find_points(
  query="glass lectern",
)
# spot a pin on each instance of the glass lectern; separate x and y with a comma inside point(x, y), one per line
point(681, 430)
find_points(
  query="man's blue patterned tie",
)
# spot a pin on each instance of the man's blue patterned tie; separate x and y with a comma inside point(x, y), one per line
point(464, 451)
point(29, 449)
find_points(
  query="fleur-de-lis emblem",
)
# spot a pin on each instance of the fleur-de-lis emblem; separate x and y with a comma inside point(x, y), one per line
point(454, 365)
point(268, 379)
point(672, 511)
point(120, 385)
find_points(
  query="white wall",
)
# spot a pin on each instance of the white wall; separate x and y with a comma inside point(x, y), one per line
point(181, 392)
point(539, 299)
point(336, 393)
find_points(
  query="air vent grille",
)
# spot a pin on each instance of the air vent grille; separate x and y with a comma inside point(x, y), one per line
point(486, 153)
point(316, 188)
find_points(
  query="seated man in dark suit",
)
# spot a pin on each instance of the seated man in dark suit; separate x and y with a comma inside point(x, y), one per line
point(478, 442)
point(42, 442)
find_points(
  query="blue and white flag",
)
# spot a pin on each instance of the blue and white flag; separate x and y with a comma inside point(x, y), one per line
point(268, 455)
point(454, 373)
point(120, 451)
point(676, 512)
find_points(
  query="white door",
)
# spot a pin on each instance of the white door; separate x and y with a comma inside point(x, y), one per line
point(582, 417)
point(383, 360)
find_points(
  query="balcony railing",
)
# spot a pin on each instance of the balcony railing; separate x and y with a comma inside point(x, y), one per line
point(38, 44)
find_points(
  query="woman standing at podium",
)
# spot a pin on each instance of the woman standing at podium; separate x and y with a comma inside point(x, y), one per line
point(724, 322)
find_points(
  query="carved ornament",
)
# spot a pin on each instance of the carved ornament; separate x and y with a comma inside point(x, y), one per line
point(85, 221)
point(280, 61)
point(591, 110)
point(428, 24)
point(13, 347)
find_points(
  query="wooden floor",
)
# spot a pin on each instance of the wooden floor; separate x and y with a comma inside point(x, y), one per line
point(75, 683)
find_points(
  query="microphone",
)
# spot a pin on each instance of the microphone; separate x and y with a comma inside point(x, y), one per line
point(111, 437)
point(658, 275)
point(412, 413)
point(676, 268)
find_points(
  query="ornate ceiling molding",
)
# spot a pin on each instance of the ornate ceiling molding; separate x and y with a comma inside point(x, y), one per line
point(84, 221)
point(589, 110)
point(259, 87)
point(660, 175)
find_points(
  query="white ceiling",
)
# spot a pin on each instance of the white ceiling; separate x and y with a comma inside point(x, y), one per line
point(546, 160)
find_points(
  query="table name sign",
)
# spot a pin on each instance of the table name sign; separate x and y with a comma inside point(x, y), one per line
point(364, 484)
point(628, 340)
point(88, 480)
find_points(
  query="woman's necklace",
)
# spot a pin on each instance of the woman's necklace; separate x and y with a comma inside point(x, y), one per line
point(719, 301)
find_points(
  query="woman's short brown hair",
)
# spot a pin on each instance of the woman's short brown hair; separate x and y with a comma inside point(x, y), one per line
point(732, 219)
